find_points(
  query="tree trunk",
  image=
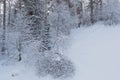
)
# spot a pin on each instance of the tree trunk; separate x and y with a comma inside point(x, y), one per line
point(9, 12)
point(3, 50)
point(92, 11)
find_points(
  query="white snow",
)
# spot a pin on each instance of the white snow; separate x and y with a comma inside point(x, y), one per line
point(94, 50)
point(16, 72)
point(19, 72)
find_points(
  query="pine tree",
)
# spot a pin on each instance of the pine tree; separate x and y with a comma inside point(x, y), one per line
point(35, 15)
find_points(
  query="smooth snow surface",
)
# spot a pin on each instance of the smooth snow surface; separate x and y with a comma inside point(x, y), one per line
point(94, 50)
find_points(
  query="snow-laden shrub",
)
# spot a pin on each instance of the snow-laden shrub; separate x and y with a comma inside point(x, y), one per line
point(55, 65)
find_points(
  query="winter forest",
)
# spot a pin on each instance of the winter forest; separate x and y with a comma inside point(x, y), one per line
point(59, 39)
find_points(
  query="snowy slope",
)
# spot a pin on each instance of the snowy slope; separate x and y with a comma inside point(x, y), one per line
point(96, 52)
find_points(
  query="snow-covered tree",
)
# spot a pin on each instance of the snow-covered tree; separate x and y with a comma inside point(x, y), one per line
point(111, 11)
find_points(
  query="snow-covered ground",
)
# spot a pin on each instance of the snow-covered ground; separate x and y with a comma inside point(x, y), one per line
point(19, 72)
point(94, 50)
